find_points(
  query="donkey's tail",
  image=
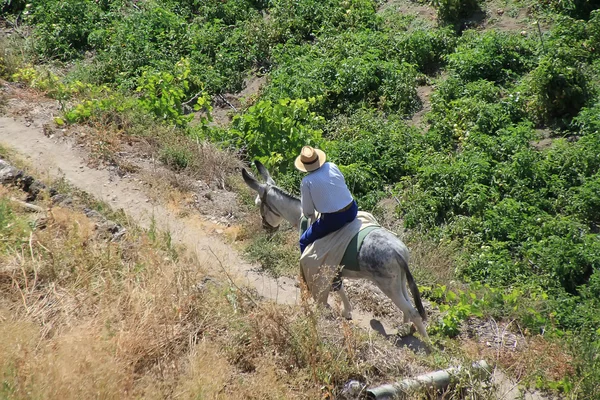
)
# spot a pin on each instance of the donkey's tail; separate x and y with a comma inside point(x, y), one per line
point(415, 292)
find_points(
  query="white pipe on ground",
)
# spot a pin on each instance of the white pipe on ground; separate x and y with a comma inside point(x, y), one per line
point(437, 380)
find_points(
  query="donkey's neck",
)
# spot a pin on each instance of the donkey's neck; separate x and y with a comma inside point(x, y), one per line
point(288, 206)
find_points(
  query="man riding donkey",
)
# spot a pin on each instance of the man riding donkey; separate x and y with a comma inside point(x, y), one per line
point(340, 236)
point(324, 191)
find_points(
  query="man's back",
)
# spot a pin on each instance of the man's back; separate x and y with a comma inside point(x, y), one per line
point(326, 189)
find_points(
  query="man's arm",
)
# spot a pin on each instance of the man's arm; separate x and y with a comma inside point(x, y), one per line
point(308, 207)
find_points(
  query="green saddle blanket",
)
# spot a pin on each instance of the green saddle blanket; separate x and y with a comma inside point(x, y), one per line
point(350, 259)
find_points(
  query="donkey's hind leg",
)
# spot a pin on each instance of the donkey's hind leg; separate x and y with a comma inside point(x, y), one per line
point(393, 289)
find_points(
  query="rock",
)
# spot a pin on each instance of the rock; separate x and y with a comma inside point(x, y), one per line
point(108, 226)
point(92, 213)
point(62, 199)
point(34, 189)
point(352, 390)
point(8, 173)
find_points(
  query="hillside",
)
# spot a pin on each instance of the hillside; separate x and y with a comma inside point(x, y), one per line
point(470, 128)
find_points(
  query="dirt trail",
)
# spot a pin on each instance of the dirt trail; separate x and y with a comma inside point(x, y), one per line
point(61, 159)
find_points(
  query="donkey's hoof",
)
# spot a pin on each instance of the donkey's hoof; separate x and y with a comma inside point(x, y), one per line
point(348, 316)
point(413, 329)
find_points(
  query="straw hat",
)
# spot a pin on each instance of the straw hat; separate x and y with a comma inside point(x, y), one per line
point(310, 159)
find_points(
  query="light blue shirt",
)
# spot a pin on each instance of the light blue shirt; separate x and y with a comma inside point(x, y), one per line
point(324, 190)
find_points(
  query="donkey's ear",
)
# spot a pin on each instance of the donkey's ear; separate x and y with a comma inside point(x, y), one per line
point(252, 182)
point(264, 172)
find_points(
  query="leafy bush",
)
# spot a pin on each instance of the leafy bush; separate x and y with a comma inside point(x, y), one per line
point(349, 70)
point(149, 36)
point(176, 157)
point(491, 55)
point(451, 11)
point(163, 94)
point(587, 122)
point(62, 27)
point(558, 87)
point(302, 20)
point(580, 9)
point(373, 152)
point(220, 54)
point(11, 6)
point(274, 132)
point(458, 110)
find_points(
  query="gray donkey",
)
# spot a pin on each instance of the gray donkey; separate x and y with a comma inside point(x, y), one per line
point(382, 258)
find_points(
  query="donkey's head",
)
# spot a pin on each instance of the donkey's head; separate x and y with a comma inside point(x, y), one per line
point(271, 218)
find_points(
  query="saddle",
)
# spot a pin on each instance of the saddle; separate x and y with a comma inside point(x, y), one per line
point(327, 251)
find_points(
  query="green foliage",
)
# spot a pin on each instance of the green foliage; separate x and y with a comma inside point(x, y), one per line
point(221, 54)
point(459, 110)
point(62, 27)
point(176, 157)
point(452, 11)
point(163, 93)
point(492, 55)
point(372, 152)
point(274, 132)
point(455, 306)
point(147, 36)
point(302, 20)
point(274, 253)
point(558, 87)
point(587, 122)
point(349, 70)
point(580, 9)
point(11, 6)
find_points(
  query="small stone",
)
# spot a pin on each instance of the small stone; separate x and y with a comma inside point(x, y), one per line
point(220, 231)
point(500, 11)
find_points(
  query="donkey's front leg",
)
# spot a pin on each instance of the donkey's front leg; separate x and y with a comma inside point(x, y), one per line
point(347, 313)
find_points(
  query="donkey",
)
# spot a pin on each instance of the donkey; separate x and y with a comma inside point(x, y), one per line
point(382, 258)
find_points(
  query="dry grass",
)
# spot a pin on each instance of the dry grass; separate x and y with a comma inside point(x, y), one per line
point(536, 357)
point(81, 317)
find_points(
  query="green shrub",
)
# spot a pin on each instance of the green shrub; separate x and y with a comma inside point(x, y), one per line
point(459, 109)
point(452, 11)
point(147, 36)
point(62, 27)
point(349, 70)
point(176, 157)
point(229, 12)
point(494, 56)
point(584, 200)
point(558, 87)
point(303, 20)
point(274, 132)
point(163, 94)
point(587, 122)
point(372, 151)
point(580, 9)
point(11, 6)
point(220, 54)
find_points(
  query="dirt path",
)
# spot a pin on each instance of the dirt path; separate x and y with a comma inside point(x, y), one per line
point(61, 159)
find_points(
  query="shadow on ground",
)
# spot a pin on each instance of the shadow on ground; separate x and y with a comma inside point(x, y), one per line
point(409, 341)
